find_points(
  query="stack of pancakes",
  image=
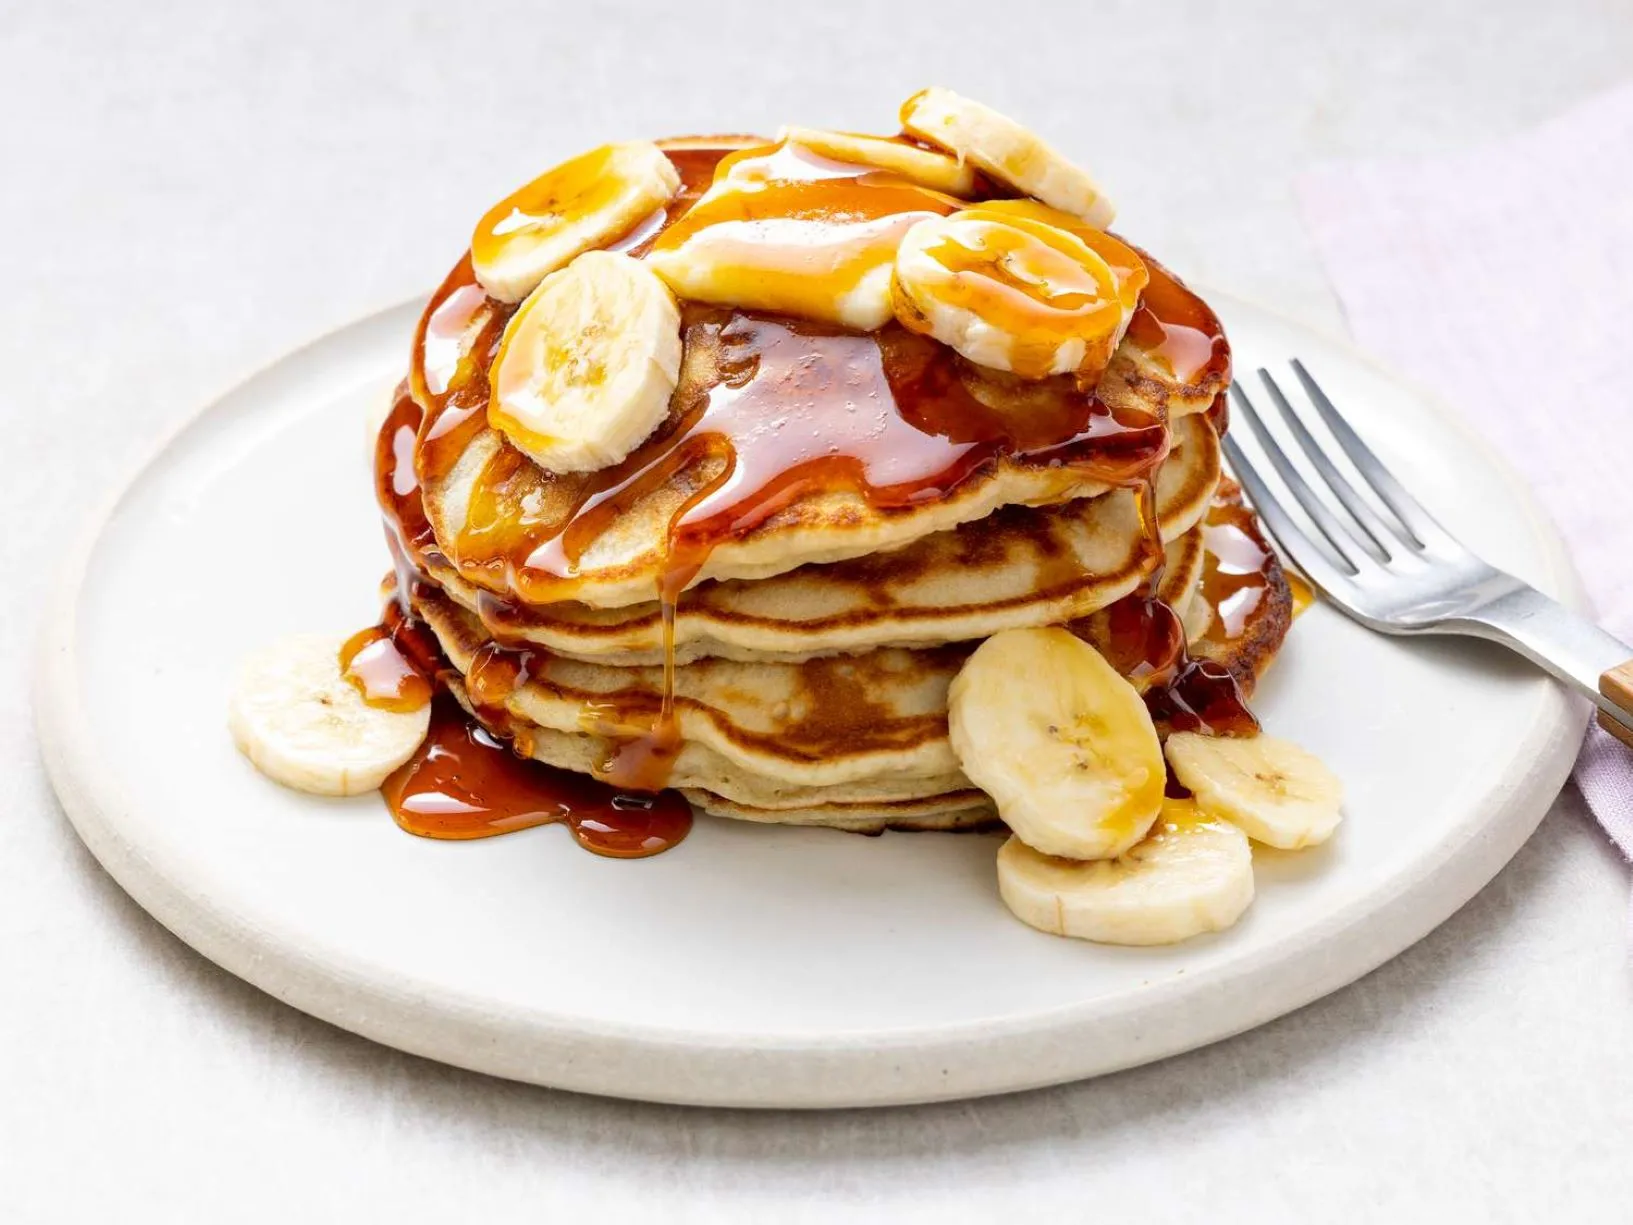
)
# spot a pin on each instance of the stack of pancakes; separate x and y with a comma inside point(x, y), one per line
point(812, 648)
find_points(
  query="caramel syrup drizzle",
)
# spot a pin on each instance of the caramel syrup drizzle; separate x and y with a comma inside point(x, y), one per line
point(1145, 640)
point(464, 781)
point(792, 407)
point(382, 672)
point(1180, 330)
point(1236, 575)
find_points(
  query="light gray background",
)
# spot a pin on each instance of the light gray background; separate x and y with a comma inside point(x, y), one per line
point(189, 190)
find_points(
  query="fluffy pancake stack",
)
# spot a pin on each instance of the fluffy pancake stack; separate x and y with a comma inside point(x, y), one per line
point(857, 481)
point(762, 598)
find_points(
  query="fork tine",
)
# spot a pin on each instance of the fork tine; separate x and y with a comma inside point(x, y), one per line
point(1344, 544)
point(1419, 523)
point(1370, 521)
point(1294, 541)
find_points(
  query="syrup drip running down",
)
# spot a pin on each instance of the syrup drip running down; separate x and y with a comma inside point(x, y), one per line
point(1145, 640)
point(1236, 575)
point(464, 781)
point(379, 669)
point(784, 408)
point(1180, 330)
point(796, 408)
point(1240, 570)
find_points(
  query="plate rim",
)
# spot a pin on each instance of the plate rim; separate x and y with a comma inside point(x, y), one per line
point(844, 1069)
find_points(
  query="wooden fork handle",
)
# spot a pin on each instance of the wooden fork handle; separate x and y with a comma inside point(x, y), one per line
point(1617, 685)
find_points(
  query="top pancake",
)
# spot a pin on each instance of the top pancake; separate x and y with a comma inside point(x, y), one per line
point(890, 438)
point(493, 508)
point(1020, 566)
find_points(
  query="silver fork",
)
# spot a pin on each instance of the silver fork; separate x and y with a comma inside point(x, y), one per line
point(1398, 571)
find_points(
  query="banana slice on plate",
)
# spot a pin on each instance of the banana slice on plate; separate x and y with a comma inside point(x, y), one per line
point(1007, 151)
point(1276, 792)
point(299, 720)
point(586, 367)
point(1012, 292)
point(1190, 875)
point(927, 167)
point(585, 202)
point(1062, 743)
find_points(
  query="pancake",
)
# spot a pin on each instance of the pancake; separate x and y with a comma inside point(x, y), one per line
point(848, 514)
point(956, 812)
point(856, 743)
point(1020, 566)
point(786, 444)
point(793, 737)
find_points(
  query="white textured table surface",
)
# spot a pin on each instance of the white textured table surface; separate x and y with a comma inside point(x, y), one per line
point(189, 190)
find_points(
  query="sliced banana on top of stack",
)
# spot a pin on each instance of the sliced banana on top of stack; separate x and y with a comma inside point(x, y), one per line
point(1007, 151)
point(586, 367)
point(837, 227)
point(927, 167)
point(1032, 286)
point(587, 201)
point(1015, 290)
point(808, 227)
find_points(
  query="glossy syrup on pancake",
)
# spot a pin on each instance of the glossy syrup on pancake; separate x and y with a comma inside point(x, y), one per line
point(1235, 573)
point(1250, 597)
point(463, 782)
point(1144, 638)
point(792, 408)
point(795, 407)
point(1181, 330)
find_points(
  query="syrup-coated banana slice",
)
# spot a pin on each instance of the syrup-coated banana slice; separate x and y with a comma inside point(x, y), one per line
point(1007, 151)
point(927, 167)
point(583, 203)
point(1014, 293)
point(587, 365)
point(294, 714)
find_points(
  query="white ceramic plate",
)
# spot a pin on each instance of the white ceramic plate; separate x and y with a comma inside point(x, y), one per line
point(751, 966)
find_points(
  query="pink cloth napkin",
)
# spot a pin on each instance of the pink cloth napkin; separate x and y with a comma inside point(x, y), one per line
point(1490, 272)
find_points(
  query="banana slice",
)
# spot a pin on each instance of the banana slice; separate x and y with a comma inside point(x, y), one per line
point(582, 203)
point(1061, 742)
point(782, 231)
point(586, 367)
point(1012, 292)
point(1005, 150)
point(1125, 262)
point(303, 724)
point(927, 167)
point(1276, 792)
point(1191, 875)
